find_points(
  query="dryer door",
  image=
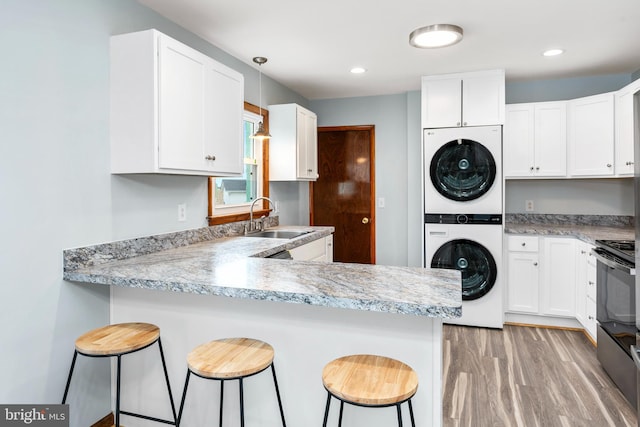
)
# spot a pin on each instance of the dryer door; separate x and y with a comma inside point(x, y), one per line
point(462, 170)
point(476, 263)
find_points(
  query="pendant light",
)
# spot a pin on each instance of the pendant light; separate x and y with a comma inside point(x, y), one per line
point(261, 133)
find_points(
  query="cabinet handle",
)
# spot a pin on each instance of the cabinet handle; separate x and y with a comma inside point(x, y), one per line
point(608, 165)
point(535, 264)
point(590, 317)
point(531, 168)
point(524, 244)
point(582, 251)
point(628, 163)
point(209, 157)
point(464, 124)
point(537, 168)
point(458, 124)
point(591, 283)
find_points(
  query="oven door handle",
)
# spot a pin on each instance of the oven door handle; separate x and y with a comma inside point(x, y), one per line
point(635, 356)
point(613, 264)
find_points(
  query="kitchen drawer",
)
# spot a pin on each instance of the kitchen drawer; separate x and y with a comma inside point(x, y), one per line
point(522, 243)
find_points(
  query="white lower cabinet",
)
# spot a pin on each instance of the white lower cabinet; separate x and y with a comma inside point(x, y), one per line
point(523, 274)
point(586, 287)
point(552, 278)
point(541, 275)
point(319, 250)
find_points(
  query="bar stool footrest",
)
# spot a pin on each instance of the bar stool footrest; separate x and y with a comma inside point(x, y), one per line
point(146, 417)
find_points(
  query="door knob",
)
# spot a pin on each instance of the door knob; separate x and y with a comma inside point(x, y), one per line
point(365, 220)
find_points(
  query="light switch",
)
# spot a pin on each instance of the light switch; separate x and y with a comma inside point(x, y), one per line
point(381, 202)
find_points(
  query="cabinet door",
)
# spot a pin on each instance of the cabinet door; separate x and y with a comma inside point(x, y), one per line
point(224, 105)
point(551, 139)
point(441, 102)
point(307, 137)
point(181, 97)
point(625, 129)
point(558, 290)
point(523, 279)
point(483, 99)
point(591, 136)
point(519, 140)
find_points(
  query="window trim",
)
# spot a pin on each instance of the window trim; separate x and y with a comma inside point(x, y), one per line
point(261, 208)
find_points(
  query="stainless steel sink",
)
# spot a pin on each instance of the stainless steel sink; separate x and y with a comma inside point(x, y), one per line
point(278, 234)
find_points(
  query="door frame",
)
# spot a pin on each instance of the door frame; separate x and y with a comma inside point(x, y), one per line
point(372, 178)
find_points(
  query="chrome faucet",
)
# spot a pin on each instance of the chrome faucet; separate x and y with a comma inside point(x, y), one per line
point(251, 224)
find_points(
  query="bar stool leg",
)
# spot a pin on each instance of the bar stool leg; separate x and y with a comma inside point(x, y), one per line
point(241, 403)
point(184, 397)
point(166, 377)
point(341, 409)
point(118, 394)
point(326, 410)
point(413, 421)
point(66, 388)
point(221, 399)
point(399, 415)
point(275, 382)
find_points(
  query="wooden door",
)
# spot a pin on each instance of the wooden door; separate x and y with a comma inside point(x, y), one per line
point(343, 195)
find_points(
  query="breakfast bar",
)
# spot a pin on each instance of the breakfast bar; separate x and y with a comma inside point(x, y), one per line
point(211, 283)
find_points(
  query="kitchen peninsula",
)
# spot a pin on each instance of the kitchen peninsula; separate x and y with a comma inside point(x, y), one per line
point(210, 283)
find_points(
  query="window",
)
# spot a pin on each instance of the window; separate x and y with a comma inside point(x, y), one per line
point(230, 197)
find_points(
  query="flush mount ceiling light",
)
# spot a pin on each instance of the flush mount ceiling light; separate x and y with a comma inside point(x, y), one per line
point(358, 70)
point(261, 133)
point(433, 36)
point(553, 52)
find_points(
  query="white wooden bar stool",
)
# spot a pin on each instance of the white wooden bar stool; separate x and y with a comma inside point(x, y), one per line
point(116, 341)
point(371, 381)
point(231, 359)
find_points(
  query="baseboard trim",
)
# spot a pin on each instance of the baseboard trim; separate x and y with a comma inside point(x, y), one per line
point(106, 421)
point(566, 328)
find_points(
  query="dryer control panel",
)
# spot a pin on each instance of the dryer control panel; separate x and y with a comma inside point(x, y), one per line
point(462, 219)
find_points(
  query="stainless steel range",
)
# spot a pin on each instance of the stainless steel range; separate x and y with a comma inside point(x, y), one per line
point(616, 312)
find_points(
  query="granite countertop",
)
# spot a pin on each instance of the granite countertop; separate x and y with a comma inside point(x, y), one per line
point(587, 228)
point(212, 262)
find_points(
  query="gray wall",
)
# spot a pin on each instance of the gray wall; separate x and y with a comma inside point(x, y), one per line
point(390, 117)
point(57, 192)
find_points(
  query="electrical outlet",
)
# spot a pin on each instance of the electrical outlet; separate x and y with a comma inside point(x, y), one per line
point(276, 207)
point(528, 205)
point(182, 212)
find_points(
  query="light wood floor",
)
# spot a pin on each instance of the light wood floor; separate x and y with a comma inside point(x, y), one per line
point(523, 376)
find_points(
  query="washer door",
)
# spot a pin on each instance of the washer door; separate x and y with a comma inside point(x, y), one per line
point(462, 170)
point(476, 263)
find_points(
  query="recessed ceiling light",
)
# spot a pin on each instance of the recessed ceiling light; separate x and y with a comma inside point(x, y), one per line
point(358, 70)
point(438, 35)
point(553, 52)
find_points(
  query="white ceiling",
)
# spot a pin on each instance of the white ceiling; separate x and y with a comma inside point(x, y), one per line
point(312, 45)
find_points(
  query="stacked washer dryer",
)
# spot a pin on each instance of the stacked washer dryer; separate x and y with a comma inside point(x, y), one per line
point(463, 205)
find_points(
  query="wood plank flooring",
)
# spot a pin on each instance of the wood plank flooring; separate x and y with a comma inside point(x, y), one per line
point(523, 376)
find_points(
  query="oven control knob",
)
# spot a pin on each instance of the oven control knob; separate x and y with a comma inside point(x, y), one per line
point(462, 219)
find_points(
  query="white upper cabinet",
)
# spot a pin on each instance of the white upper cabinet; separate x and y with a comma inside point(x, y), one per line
point(463, 99)
point(293, 147)
point(591, 136)
point(535, 140)
point(625, 129)
point(173, 109)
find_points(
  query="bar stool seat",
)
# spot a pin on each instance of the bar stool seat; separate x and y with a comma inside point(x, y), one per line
point(371, 381)
point(116, 341)
point(231, 359)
